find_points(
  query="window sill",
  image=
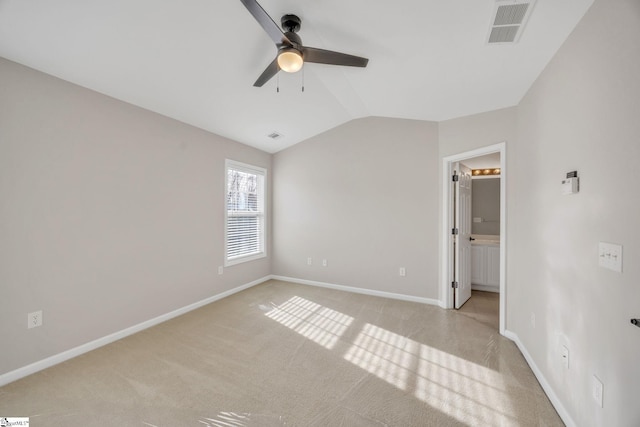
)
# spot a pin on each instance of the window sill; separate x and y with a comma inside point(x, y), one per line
point(243, 259)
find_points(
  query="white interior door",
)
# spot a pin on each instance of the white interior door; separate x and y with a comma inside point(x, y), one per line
point(462, 234)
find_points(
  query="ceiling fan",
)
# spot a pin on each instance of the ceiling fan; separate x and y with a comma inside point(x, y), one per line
point(292, 54)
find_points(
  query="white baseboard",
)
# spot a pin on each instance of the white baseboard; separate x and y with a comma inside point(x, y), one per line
point(352, 289)
point(84, 348)
point(555, 401)
point(485, 288)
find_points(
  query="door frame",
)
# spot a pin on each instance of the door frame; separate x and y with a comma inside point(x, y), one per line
point(446, 292)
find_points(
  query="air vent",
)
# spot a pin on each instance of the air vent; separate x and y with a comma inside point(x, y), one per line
point(512, 14)
point(275, 135)
point(508, 20)
point(506, 34)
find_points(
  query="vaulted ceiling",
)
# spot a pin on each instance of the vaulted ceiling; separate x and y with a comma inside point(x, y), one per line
point(196, 60)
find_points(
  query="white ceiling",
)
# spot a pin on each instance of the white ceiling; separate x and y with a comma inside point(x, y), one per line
point(196, 60)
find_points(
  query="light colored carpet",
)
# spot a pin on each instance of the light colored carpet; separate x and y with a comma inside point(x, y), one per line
point(281, 354)
point(483, 307)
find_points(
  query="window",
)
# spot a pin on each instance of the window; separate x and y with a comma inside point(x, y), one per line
point(244, 215)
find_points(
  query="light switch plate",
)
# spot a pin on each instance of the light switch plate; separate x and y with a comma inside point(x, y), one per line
point(610, 256)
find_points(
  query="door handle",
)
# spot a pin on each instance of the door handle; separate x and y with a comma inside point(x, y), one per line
point(471, 239)
point(636, 322)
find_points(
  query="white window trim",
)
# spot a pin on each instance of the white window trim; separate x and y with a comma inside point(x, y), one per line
point(244, 167)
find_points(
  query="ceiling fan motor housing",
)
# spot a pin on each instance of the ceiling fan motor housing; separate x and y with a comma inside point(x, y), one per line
point(290, 23)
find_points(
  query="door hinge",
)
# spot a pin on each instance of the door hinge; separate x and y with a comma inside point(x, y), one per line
point(454, 231)
point(455, 177)
point(454, 285)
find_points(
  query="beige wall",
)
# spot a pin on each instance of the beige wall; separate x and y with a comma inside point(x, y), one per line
point(582, 114)
point(476, 131)
point(111, 215)
point(364, 197)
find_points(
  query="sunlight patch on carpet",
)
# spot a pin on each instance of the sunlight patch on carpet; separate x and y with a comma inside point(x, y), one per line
point(311, 320)
point(460, 388)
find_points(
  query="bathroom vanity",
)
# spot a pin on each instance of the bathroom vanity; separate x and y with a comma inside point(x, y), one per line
point(485, 263)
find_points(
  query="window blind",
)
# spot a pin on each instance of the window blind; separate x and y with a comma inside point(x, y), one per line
point(245, 218)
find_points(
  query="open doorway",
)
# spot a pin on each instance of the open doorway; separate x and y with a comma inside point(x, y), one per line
point(488, 251)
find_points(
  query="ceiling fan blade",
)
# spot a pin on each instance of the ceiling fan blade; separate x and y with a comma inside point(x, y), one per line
point(265, 21)
point(321, 56)
point(271, 70)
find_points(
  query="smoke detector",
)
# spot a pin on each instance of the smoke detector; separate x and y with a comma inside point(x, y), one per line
point(275, 135)
point(508, 20)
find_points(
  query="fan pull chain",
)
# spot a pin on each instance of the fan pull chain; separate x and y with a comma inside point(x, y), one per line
point(303, 78)
point(278, 84)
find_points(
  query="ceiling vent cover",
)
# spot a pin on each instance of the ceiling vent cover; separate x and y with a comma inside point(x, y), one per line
point(508, 20)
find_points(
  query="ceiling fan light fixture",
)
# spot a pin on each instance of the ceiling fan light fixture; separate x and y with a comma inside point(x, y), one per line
point(290, 60)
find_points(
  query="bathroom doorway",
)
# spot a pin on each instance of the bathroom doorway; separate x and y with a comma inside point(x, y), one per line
point(488, 229)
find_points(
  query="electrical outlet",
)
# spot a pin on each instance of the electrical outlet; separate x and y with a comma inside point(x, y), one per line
point(34, 319)
point(564, 352)
point(309, 261)
point(220, 270)
point(402, 271)
point(598, 391)
point(324, 263)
